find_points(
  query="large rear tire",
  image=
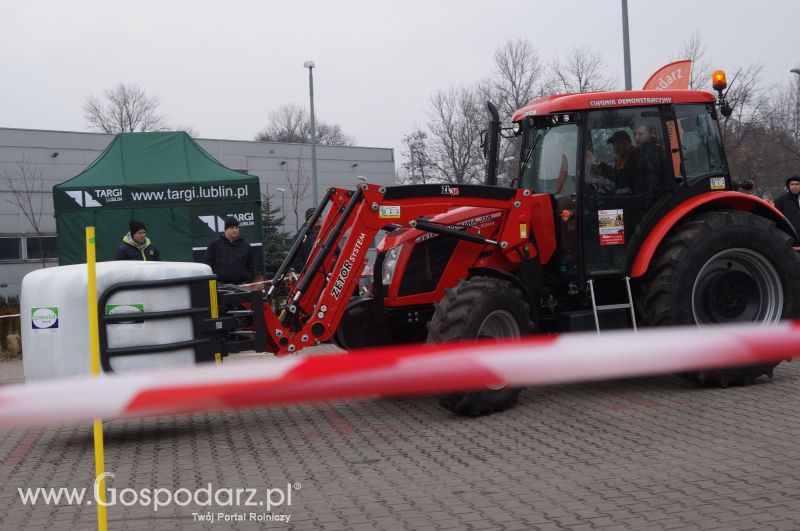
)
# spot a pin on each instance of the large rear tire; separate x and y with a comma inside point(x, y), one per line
point(480, 308)
point(723, 267)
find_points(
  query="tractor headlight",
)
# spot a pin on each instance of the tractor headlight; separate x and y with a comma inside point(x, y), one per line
point(389, 263)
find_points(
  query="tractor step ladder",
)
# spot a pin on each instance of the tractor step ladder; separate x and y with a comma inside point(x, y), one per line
point(628, 305)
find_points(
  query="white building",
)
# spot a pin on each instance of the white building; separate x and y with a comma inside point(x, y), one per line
point(51, 157)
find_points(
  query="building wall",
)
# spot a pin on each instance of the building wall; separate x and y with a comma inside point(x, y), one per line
point(61, 155)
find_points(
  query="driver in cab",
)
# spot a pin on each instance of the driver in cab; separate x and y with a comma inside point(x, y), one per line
point(633, 166)
point(608, 177)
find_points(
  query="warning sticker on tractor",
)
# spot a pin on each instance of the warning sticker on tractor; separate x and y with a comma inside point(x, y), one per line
point(612, 227)
point(117, 309)
point(389, 212)
point(523, 230)
point(717, 183)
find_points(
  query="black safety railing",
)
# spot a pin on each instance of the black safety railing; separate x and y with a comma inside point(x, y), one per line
point(210, 335)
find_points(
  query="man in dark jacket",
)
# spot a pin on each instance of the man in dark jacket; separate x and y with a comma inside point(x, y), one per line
point(635, 166)
point(229, 256)
point(789, 203)
point(136, 245)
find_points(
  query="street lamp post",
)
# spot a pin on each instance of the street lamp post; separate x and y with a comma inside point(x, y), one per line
point(310, 65)
point(283, 205)
point(626, 46)
point(796, 105)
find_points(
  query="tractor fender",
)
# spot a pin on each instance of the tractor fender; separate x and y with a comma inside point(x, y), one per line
point(504, 275)
point(706, 201)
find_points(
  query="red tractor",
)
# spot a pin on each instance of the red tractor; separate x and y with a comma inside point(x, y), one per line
point(624, 214)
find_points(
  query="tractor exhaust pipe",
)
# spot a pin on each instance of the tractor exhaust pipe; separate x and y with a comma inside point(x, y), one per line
point(490, 145)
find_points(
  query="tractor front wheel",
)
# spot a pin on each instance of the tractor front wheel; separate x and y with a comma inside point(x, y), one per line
point(480, 308)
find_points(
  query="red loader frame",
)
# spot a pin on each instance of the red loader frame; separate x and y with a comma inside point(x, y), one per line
point(317, 301)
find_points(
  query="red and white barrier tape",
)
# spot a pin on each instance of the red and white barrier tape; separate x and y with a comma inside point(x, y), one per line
point(394, 371)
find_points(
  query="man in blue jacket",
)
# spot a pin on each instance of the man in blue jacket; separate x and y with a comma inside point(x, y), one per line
point(136, 245)
point(229, 256)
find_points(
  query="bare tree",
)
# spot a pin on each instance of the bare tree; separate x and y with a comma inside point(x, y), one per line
point(581, 71)
point(449, 150)
point(291, 123)
point(417, 169)
point(455, 124)
point(784, 112)
point(758, 144)
point(694, 49)
point(767, 147)
point(27, 194)
point(124, 109)
point(286, 124)
point(299, 182)
point(750, 106)
point(517, 78)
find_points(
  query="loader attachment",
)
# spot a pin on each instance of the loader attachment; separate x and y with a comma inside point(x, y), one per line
point(317, 302)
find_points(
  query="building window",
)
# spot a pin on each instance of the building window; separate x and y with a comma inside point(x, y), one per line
point(10, 248)
point(26, 248)
point(48, 246)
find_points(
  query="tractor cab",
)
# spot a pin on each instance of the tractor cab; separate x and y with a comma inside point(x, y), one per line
point(614, 164)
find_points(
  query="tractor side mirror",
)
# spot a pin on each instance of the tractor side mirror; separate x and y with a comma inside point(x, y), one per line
point(748, 185)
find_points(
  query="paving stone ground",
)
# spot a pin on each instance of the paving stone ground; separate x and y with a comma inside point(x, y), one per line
point(648, 453)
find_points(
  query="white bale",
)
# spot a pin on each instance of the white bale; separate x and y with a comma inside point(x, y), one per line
point(54, 317)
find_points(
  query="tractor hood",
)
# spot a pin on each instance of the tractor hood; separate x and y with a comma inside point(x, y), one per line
point(480, 220)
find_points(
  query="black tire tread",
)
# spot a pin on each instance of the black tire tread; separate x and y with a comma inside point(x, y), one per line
point(450, 323)
point(659, 288)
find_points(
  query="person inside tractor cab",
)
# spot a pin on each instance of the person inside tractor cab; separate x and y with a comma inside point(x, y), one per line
point(646, 155)
point(635, 165)
point(610, 178)
point(642, 134)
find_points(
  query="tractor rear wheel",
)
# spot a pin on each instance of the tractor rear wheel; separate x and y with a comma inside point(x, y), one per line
point(724, 267)
point(480, 308)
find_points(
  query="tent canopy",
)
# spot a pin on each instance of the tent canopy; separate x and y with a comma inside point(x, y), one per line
point(165, 180)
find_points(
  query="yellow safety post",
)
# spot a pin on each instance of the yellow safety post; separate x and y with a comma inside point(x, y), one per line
point(94, 342)
point(212, 295)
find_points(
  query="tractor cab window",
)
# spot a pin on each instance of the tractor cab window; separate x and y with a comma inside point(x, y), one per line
point(549, 165)
point(624, 151)
point(701, 144)
point(548, 161)
point(625, 172)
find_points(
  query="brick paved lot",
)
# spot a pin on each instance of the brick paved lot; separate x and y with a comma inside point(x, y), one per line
point(652, 453)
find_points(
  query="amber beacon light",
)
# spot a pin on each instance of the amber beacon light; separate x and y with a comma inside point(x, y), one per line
point(718, 80)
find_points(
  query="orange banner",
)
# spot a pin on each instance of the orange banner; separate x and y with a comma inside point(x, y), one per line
point(674, 76)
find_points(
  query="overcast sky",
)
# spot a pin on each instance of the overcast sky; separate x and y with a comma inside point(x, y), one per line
point(222, 66)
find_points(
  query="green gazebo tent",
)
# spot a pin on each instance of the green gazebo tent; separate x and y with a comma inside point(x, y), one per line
point(165, 180)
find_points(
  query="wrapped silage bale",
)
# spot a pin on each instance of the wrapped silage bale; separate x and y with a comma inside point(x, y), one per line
point(55, 324)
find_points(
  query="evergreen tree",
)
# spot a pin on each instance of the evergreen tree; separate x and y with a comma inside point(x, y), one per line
point(274, 249)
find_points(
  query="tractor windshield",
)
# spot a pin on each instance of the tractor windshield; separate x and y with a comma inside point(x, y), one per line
point(547, 160)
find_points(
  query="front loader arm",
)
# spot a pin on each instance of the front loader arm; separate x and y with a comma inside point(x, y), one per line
point(317, 302)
